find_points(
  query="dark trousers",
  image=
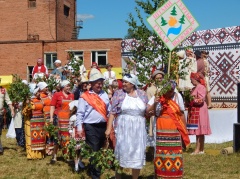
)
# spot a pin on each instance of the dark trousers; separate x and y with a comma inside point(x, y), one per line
point(1, 126)
point(95, 137)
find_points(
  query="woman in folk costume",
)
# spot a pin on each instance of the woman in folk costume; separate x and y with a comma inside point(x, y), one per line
point(40, 69)
point(60, 114)
point(34, 127)
point(46, 100)
point(170, 131)
point(129, 105)
point(198, 118)
point(187, 65)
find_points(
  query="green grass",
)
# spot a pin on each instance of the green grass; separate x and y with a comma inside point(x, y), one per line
point(212, 165)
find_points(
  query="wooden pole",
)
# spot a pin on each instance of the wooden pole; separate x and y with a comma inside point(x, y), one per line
point(169, 62)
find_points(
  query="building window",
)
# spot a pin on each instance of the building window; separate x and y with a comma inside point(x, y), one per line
point(50, 59)
point(100, 57)
point(31, 3)
point(78, 55)
point(66, 10)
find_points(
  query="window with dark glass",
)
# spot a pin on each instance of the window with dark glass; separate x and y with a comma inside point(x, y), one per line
point(31, 3)
point(66, 10)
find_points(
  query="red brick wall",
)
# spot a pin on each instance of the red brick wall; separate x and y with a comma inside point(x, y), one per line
point(65, 24)
point(113, 48)
point(17, 20)
point(16, 57)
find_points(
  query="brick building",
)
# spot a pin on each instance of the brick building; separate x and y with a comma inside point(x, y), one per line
point(32, 29)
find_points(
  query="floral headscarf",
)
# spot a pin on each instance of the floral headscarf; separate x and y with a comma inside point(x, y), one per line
point(198, 77)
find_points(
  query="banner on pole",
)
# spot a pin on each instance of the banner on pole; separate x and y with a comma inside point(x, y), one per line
point(173, 23)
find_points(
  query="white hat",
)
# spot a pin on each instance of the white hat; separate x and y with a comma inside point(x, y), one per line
point(72, 104)
point(57, 61)
point(25, 82)
point(181, 54)
point(32, 86)
point(95, 75)
point(83, 79)
point(132, 79)
point(36, 90)
point(42, 85)
point(64, 83)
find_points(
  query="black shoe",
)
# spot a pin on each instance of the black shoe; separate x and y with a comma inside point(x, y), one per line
point(1, 151)
point(53, 161)
point(81, 165)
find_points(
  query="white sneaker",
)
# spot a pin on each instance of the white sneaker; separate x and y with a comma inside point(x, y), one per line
point(201, 152)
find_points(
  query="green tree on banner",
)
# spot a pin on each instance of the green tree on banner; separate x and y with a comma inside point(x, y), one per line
point(174, 12)
point(163, 22)
point(182, 20)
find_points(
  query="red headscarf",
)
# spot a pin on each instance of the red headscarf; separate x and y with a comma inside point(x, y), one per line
point(198, 77)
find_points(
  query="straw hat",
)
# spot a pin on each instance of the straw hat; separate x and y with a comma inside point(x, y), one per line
point(157, 72)
point(108, 65)
point(84, 79)
point(95, 75)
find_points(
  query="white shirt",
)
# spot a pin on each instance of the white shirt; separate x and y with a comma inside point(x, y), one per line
point(107, 76)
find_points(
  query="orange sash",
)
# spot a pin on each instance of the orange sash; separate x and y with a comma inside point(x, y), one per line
point(96, 102)
point(173, 111)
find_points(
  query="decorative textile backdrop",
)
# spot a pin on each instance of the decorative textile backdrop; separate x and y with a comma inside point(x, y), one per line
point(224, 49)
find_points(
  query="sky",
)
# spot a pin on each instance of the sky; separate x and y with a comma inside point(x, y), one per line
point(107, 18)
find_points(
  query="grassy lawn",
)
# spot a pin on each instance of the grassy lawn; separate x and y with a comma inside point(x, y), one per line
point(212, 165)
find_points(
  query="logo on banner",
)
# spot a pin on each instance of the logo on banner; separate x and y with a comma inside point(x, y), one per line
point(173, 23)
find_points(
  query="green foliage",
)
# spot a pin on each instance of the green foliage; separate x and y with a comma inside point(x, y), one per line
point(182, 19)
point(75, 64)
point(104, 159)
point(149, 50)
point(18, 91)
point(187, 97)
point(173, 12)
point(52, 83)
point(52, 131)
point(163, 22)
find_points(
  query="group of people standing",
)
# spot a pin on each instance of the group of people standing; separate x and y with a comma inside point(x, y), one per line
point(120, 110)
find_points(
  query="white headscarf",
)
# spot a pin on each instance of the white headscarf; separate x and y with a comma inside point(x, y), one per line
point(64, 83)
point(131, 78)
point(36, 90)
point(42, 85)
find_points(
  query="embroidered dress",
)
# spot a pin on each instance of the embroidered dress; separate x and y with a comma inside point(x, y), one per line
point(46, 113)
point(34, 132)
point(203, 123)
point(63, 123)
point(131, 133)
point(168, 157)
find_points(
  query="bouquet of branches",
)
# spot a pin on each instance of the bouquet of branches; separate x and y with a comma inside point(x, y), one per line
point(18, 91)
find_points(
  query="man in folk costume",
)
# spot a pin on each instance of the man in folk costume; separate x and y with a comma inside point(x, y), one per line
point(4, 97)
point(93, 108)
point(40, 69)
point(109, 74)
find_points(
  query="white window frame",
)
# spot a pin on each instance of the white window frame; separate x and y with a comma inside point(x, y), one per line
point(52, 59)
point(99, 55)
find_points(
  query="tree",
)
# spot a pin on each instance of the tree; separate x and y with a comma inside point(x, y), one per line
point(149, 46)
point(173, 12)
point(163, 22)
point(182, 19)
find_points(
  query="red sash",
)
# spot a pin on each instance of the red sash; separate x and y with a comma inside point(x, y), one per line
point(96, 102)
point(173, 111)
